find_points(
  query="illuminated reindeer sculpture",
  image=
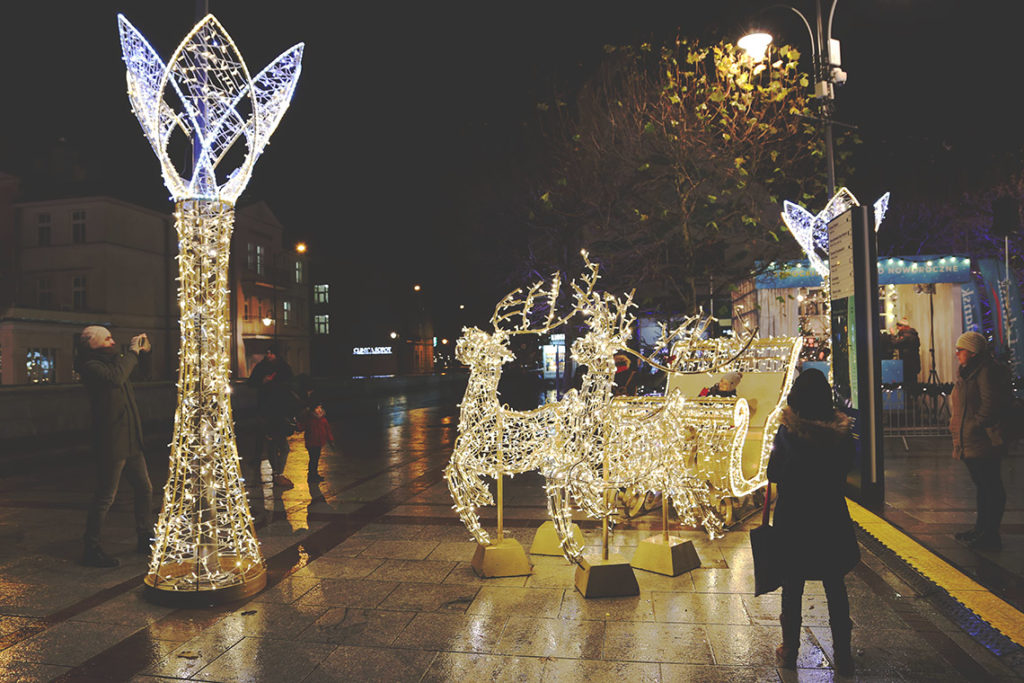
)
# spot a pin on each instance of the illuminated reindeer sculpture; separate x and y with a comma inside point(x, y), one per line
point(494, 440)
point(647, 443)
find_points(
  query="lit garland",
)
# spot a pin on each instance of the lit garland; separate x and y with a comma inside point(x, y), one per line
point(205, 538)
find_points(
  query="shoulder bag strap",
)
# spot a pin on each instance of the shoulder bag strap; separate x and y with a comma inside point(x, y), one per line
point(767, 504)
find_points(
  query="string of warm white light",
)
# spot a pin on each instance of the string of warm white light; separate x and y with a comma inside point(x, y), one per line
point(205, 538)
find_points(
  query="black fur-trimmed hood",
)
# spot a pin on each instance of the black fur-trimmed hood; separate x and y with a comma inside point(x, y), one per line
point(824, 433)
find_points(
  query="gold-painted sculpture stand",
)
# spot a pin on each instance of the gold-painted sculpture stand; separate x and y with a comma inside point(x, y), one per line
point(545, 541)
point(665, 554)
point(505, 556)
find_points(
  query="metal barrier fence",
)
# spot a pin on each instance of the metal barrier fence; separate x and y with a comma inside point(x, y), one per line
point(924, 411)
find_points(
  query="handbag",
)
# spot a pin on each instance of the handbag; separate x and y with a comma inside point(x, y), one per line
point(764, 546)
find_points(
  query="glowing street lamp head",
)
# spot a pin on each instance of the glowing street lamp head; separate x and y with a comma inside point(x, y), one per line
point(301, 248)
point(221, 104)
point(755, 45)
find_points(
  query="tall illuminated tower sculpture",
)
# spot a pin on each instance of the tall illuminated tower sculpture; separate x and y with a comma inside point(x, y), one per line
point(206, 546)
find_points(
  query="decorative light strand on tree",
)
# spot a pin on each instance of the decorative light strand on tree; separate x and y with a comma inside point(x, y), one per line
point(205, 538)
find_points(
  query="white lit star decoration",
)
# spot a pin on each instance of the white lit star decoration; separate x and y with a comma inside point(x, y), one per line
point(205, 539)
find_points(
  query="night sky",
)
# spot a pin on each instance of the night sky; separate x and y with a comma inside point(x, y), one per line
point(403, 109)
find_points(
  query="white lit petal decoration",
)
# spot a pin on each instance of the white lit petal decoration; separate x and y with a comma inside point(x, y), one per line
point(811, 231)
point(881, 208)
point(209, 78)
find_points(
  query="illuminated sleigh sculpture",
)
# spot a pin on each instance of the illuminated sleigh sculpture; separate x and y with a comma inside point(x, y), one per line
point(769, 368)
point(494, 440)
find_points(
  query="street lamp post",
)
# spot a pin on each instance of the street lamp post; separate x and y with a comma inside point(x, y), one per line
point(826, 64)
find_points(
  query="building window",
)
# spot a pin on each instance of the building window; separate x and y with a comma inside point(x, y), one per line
point(78, 227)
point(78, 293)
point(250, 256)
point(41, 365)
point(286, 312)
point(321, 324)
point(259, 259)
point(298, 272)
point(320, 294)
point(245, 309)
point(43, 224)
point(44, 293)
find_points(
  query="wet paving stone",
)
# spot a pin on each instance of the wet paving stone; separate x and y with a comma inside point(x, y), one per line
point(370, 580)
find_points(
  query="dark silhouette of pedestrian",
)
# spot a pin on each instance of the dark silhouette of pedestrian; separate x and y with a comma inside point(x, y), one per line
point(276, 408)
point(116, 437)
point(812, 452)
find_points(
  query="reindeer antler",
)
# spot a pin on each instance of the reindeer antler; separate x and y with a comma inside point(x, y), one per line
point(524, 304)
point(687, 336)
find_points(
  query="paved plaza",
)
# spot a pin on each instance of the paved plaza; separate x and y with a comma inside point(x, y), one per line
point(369, 580)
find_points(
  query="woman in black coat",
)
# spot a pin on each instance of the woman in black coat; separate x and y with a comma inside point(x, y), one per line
point(812, 452)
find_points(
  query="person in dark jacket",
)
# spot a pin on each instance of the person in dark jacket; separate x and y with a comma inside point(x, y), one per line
point(116, 436)
point(276, 406)
point(812, 452)
point(907, 342)
point(978, 406)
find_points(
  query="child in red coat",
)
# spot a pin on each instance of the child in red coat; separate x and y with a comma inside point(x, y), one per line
point(318, 432)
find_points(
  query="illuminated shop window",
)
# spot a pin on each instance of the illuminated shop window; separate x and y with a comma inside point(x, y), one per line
point(41, 365)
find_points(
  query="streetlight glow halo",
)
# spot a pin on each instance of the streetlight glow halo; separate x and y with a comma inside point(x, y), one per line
point(755, 44)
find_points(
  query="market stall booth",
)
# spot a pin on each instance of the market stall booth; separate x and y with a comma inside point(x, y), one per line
point(933, 295)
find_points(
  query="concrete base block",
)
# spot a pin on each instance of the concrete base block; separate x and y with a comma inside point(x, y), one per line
point(611, 578)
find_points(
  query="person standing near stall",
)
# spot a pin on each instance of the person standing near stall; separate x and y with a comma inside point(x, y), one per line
point(978, 406)
point(907, 342)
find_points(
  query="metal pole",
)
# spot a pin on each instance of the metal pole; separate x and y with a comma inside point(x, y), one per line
point(822, 65)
